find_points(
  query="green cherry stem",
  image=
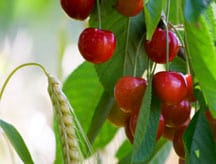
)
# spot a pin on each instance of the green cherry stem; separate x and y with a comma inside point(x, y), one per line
point(18, 68)
point(167, 45)
point(183, 45)
point(99, 14)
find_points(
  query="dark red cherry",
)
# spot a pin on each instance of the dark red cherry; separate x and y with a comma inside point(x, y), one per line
point(170, 87)
point(97, 46)
point(129, 7)
point(176, 115)
point(78, 9)
point(156, 47)
point(190, 94)
point(129, 92)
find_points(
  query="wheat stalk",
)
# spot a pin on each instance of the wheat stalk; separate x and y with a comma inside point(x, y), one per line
point(66, 126)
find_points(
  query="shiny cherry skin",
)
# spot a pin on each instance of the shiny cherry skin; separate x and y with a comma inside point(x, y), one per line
point(128, 93)
point(156, 47)
point(129, 7)
point(133, 123)
point(117, 117)
point(97, 46)
point(170, 87)
point(175, 115)
point(190, 94)
point(78, 9)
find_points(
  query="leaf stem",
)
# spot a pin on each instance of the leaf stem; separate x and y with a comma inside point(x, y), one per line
point(18, 68)
point(99, 14)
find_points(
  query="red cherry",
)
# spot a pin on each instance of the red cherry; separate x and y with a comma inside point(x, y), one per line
point(190, 94)
point(78, 9)
point(178, 142)
point(161, 127)
point(97, 46)
point(133, 122)
point(129, 92)
point(129, 7)
point(170, 87)
point(177, 114)
point(156, 47)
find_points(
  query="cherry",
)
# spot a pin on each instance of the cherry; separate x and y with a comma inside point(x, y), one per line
point(170, 87)
point(133, 123)
point(156, 47)
point(177, 114)
point(190, 94)
point(78, 9)
point(117, 117)
point(129, 7)
point(129, 92)
point(97, 46)
point(178, 140)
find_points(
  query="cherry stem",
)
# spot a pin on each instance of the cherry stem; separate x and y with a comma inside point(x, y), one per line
point(99, 14)
point(183, 45)
point(18, 68)
point(126, 46)
point(167, 34)
point(137, 54)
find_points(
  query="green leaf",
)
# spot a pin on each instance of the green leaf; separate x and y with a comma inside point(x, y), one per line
point(85, 93)
point(202, 54)
point(160, 152)
point(129, 32)
point(158, 156)
point(194, 8)
point(83, 90)
point(176, 12)
point(17, 141)
point(124, 151)
point(152, 11)
point(198, 140)
point(100, 115)
point(145, 134)
point(178, 65)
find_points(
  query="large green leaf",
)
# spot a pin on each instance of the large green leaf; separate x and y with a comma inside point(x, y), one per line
point(176, 13)
point(145, 134)
point(202, 54)
point(129, 33)
point(84, 92)
point(194, 8)
point(152, 10)
point(100, 115)
point(17, 142)
point(199, 142)
point(158, 156)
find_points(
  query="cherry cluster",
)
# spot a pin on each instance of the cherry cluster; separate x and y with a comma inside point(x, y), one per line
point(173, 89)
